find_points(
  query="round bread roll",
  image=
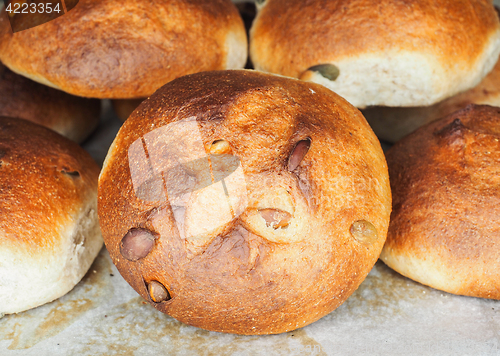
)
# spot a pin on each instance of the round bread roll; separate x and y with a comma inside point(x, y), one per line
point(445, 224)
point(395, 53)
point(392, 124)
point(103, 49)
point(243, 202)
point(49, 231)
point(66, 114)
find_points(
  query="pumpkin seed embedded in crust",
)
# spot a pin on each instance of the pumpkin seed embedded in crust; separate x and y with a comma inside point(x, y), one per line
point(329, 71)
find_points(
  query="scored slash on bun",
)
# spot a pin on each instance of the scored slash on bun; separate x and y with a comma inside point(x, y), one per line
point(49, 231)
point(445, 226)
point(105, 49)
point(390, 53)
point(244, 202)
point(68, 115)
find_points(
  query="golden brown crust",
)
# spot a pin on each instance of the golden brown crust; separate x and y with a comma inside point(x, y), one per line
point(252, 276)
point(66, 114)
point(350, 28)
point(44, 179)
point(444, 229)
point(392, 124)
point(102, 50)
point(395, 53)
point(49, 231)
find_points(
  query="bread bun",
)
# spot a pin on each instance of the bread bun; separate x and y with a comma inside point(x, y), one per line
point(445, 224)
point(66, 114)
point(392, 124)
point(105, 49)
point(49, 232)
point(243, 202)
point(395, 53)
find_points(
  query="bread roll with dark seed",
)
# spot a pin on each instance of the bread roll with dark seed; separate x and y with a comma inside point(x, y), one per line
point(244, 202)
point(102, 49)
point(49, 231)
point(389, 53)
point(66, 114)
point(445, 224)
